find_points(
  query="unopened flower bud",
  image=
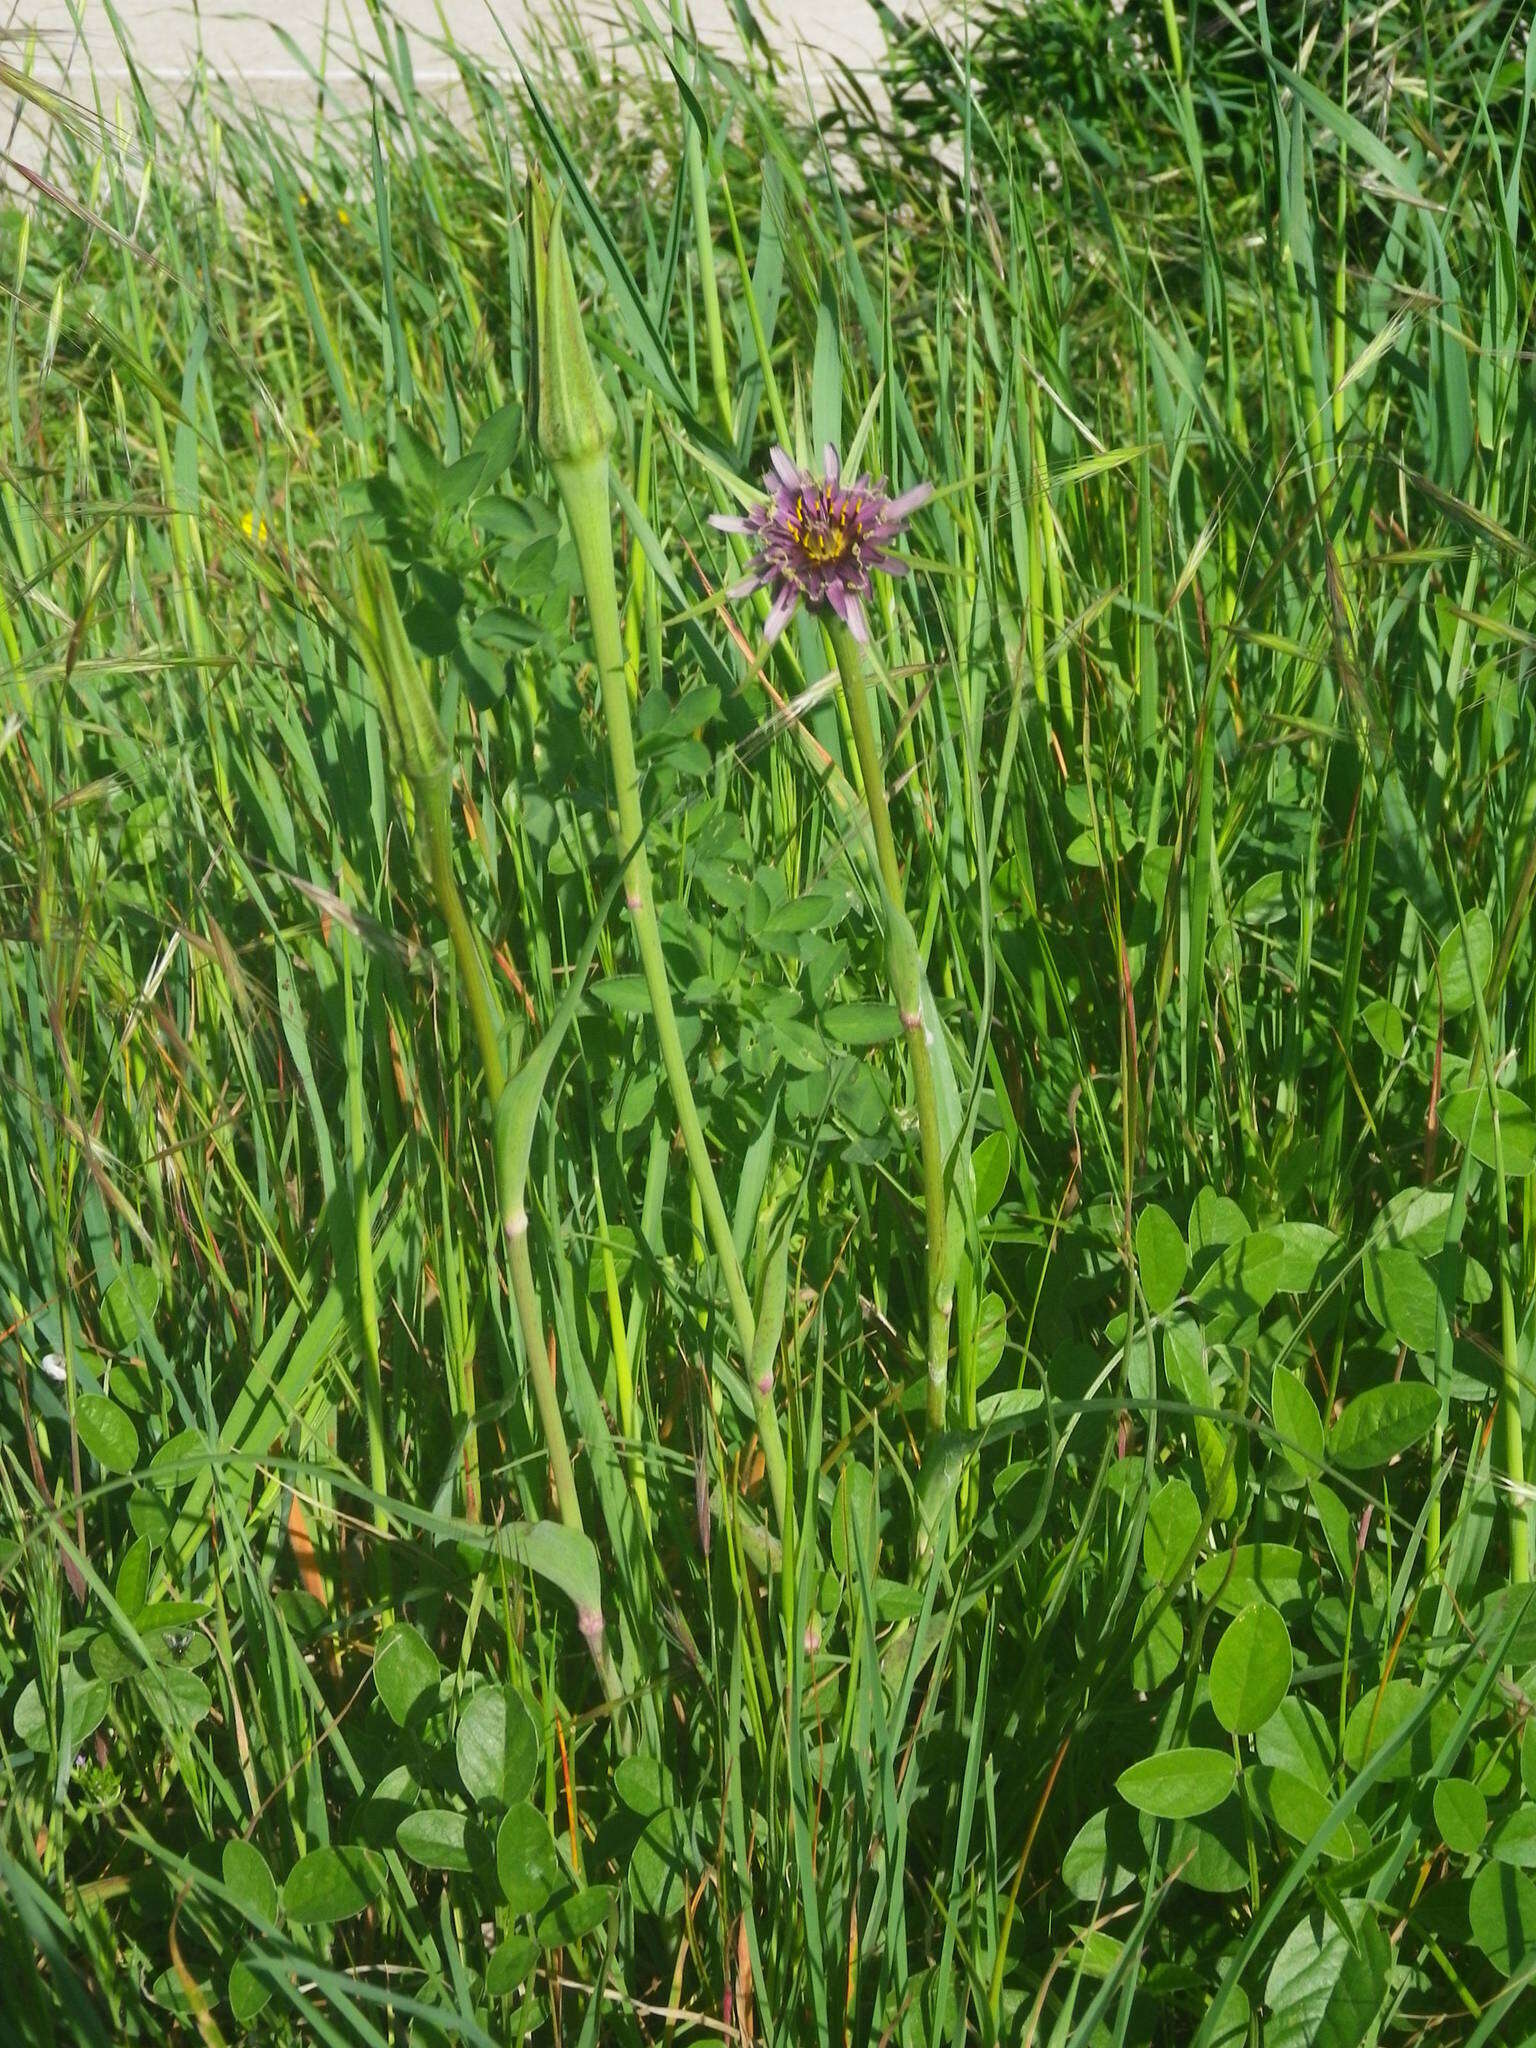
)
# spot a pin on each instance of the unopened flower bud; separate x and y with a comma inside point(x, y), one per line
point(573, 418)
point(394, 668)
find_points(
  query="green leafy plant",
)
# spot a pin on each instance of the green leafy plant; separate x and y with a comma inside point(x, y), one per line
point(714, 1328)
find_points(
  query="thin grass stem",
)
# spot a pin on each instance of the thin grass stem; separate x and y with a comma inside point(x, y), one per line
point(905, 968)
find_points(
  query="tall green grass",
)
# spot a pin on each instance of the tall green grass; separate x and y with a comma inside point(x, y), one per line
point(1177, 1689)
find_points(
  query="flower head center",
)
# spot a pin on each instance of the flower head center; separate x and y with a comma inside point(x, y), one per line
point(826, 528)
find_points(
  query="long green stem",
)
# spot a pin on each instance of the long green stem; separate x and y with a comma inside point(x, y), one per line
point(437, 831)
point(367, 1292)
point(483, 1009)
point(1175, 46)
point(1509, 1394)
point(416, 731)
point(541, 1376)
point(1509, 1404)
point(906, 985)
point(437, 835)
point(584, 489)
point(1509, 1350)
point(530, 1321)
point(485, 1015)
point(704, 245)
point(634, 1463)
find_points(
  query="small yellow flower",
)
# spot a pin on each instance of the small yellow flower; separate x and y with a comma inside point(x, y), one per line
point(254, 527)
point(343, 216)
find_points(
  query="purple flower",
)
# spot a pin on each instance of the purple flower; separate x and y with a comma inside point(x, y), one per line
point(819, 539)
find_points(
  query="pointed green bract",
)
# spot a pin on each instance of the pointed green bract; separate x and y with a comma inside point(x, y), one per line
point(574, 418)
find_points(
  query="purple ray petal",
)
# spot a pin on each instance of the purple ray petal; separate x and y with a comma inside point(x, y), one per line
point(789, 476)
point(726, 522)
point(908, 502)
point(857, 624)
point(779, 616)
point(830, 467)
